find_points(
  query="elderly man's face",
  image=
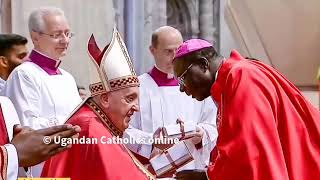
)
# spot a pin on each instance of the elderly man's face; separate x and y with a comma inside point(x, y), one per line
point(53, 41)
point(121, 105)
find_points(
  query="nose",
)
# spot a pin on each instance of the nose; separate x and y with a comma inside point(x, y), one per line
point(64, 39)
point(136, 106)
point(182, 88)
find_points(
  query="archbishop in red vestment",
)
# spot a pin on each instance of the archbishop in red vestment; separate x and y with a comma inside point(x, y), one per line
point(267, 129)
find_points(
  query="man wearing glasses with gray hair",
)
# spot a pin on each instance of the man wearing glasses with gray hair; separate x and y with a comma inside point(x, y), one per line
point(44, 94)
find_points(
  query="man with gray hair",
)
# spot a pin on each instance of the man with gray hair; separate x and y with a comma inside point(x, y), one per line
point(44, 94)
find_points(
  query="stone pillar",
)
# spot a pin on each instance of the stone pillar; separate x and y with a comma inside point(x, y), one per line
point(1, 15)
point(119, 15)
point(5, 16)
point(216, 23)
point(134, 28)
point(159, 13)
point(206, 20)
point(155, 17)
point(148, 60)
point(227, 42)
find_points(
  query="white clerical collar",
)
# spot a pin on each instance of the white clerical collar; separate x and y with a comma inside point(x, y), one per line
point(216, 75)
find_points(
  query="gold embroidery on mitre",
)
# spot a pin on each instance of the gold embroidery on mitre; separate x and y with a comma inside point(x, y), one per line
point(123, 82)
point(96, 89)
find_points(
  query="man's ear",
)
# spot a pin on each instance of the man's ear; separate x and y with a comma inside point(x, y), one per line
point(34, 36)
point(104, 99)
point(152, 49)
point(204, 63)
point(4, 62)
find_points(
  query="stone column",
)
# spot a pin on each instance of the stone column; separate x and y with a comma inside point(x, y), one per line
point(154, 17)
point(148, 61)
point(134, 28)
point(227, 42)
point(119, 15)
point(206, 20)
point(159, 13)
point(5, 16)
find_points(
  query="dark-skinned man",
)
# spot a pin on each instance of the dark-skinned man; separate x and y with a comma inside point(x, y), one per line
point(267, 129)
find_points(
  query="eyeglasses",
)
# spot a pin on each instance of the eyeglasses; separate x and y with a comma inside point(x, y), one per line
point(59, 35)
point(183, 75)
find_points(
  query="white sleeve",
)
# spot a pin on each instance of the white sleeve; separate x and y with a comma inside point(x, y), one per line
point(9, 114)
point(208, 123)
point(24, 92)
point(141, 142)
point(13, 162)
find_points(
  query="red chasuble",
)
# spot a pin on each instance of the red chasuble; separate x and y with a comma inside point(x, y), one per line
point(267, 129)
point(3, 163)
point(94, 161)
point(4, 139)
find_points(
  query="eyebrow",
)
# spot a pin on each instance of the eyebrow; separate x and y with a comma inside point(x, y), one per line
point(131, 94)
point(23, 53)
point(61, 31)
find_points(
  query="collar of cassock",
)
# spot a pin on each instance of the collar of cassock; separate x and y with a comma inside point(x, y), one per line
point(221, 76)
point(105, 120)
point(49, 65)
point(162, 78)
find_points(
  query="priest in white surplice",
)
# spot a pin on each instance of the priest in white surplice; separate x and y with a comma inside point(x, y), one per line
point(161, 103)
point(43, 94)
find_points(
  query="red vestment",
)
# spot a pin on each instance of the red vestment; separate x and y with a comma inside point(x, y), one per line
point(93, 161)
point(4, 139)
point(267, 129)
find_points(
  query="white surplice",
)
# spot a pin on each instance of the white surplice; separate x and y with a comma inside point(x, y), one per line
point(2, 84)
point(41, 100)
point(161, 106)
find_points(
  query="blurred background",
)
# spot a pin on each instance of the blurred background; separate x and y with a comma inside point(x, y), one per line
point(284, 34)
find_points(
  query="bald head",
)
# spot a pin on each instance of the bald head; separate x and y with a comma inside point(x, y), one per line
point(165, 42)
point(164, 31)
